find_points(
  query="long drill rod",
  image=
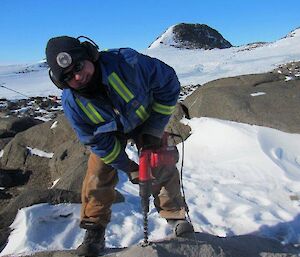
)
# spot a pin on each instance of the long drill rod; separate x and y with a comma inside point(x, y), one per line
point(145, 192)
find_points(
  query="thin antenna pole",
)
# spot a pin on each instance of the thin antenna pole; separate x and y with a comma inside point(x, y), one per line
point(2, 85)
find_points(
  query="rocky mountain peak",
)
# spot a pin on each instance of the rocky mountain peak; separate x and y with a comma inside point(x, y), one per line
point(191, 36)
point(293, 33)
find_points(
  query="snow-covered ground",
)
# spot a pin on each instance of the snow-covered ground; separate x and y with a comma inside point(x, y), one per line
point(201, 66)
point(238, 179)
point(27, 79)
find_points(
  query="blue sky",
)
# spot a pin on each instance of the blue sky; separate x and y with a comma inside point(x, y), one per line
point(26, 25)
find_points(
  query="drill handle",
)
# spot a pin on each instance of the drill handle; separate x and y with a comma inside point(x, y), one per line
point(145, 165)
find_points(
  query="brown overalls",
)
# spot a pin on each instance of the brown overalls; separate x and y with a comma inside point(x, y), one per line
point(98, 193)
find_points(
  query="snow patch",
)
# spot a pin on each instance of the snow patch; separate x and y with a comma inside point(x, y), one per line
point(54, 183)
point(43, 118)
point(165, 40)
point(258, 94)
point(45, 221)
point(35, 151)
point(239, 179)
point(54, 125)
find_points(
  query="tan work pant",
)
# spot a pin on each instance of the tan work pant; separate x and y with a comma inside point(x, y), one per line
point(98, 193)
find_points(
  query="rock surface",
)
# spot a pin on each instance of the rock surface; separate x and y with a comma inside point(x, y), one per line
point(10, 126)
point(199, 36)
point(268, 99)
point(202, 245)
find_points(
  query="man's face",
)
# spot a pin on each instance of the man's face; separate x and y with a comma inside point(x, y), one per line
point(79, 74)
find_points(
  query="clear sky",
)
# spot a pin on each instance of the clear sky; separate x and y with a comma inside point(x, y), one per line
point(26, 25)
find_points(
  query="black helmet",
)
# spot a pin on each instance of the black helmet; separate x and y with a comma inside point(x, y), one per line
point(62, 52)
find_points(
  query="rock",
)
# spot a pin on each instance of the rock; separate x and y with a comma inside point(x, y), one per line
point(42, 108)
point(12, 125)
point(199, 36)
point(5, 133)
point(4, 234)
point(4, 194)
point(16, 156)
point(11, 178)
point(4, 141)
point(176, 127)
point(191, 36)
point(260, 99)
point(203, 245)
point(186, 90)
point(69, 165)
point(41, 137)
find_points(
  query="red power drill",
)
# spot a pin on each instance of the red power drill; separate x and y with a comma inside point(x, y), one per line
point(149, 159)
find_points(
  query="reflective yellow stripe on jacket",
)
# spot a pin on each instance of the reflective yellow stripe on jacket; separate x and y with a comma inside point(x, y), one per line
point(90, 111)
point(113, 154)
point(141, 112)
point(126, 94)
point(163, 109)
point(120, 87)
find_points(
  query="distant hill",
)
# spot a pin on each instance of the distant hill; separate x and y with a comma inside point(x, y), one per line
point(191, 36)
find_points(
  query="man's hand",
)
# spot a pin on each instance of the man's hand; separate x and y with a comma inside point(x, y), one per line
point(149, 141)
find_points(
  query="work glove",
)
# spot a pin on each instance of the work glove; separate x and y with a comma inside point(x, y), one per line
point(133, 172)
point(150, 142)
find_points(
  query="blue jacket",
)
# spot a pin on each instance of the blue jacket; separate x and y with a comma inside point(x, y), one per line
point(141, 90)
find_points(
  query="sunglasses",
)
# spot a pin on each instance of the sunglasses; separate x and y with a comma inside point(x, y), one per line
point(70, 75)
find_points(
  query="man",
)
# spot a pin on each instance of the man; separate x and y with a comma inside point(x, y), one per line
point(109, 97)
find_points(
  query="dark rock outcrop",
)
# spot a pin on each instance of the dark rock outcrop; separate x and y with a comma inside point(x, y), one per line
point(44, 108)
point(10, 126)
point(11, 178)
point(199, 36)
point(267, 99)
point(41, 137)
point(28, 177)
point(192, 36)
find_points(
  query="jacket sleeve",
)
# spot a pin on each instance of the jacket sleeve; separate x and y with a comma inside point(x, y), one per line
point(106, 145)
point(163, 85)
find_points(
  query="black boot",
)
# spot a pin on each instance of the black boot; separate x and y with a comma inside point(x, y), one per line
point(181, 228)
point(93, 243)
